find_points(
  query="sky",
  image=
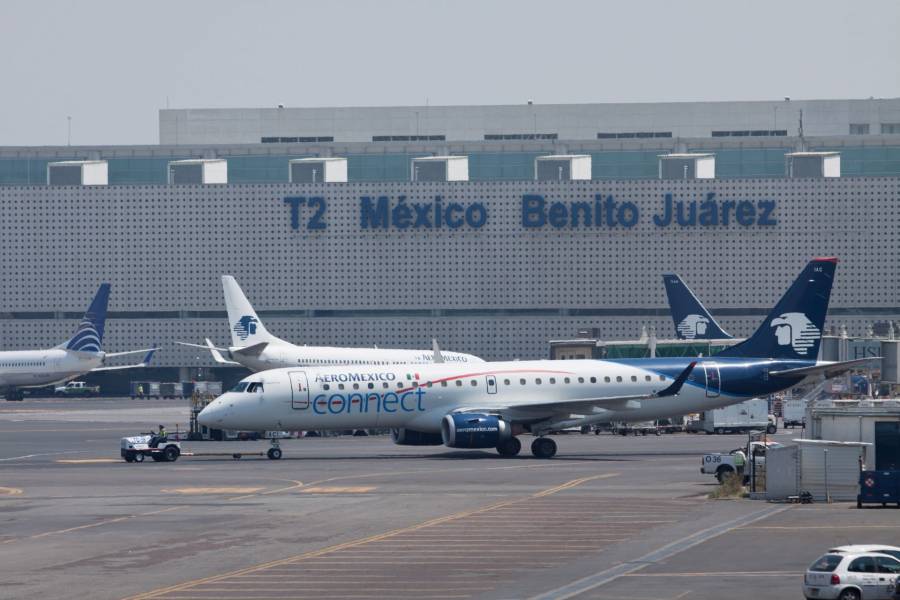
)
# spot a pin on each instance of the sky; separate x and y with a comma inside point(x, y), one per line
point(111, 65)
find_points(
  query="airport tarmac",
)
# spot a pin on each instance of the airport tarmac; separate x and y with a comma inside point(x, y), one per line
point(358, 517)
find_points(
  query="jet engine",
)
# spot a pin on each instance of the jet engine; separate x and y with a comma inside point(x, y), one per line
point(411, 437)
point(469, 430)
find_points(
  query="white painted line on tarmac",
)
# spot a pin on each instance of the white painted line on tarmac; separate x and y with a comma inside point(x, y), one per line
point(23, 457)
point(591, 582)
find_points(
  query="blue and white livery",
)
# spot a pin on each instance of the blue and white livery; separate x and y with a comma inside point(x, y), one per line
point(255, 348)
point(80, 354)
point(487, 405)
point(692, 320)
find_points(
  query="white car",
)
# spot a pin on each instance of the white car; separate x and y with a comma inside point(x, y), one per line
point(863, 548)
point(852, 576)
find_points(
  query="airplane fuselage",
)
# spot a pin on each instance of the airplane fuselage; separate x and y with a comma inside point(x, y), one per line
point(284, 354)
point(33, 368)
point(419, 396)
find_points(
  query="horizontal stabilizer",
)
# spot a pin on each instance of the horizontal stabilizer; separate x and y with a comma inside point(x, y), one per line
point(826, 369)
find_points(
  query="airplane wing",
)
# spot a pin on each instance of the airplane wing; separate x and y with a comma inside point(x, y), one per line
point(207, 346)
point(145, 350)
point(216, 352)
point(143, 363)
point(828, 370)
point(586, 405)
point(254, 350)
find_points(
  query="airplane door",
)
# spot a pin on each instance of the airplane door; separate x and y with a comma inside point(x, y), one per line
point(299, 390)
point(491, 384)
point(713, 381)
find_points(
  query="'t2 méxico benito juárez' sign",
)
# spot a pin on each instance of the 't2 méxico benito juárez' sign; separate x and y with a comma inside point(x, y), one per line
point(386, 213)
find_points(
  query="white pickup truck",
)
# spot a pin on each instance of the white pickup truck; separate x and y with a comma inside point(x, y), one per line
point(76, 388)
point(724, 464)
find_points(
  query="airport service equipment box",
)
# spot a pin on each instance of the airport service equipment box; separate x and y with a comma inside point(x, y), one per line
point(317, 170)
point(440, 168)
point(198, 171)
point(563, 167)
point(687, 166)
point(824, 468)
point(78, 172)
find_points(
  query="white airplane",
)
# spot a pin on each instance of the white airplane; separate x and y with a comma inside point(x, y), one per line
point(487, 405)
point(255, 348)
point(79, 355)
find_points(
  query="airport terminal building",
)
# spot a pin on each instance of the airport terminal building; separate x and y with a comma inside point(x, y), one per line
point(491, 228)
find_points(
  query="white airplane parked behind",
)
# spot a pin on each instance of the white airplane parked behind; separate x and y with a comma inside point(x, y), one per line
point(79, 355)
point(255, 348)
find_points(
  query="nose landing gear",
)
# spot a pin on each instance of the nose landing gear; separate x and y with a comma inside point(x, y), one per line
point(543, 448)
point(274, 453)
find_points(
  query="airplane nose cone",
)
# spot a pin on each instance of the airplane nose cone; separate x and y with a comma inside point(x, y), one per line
point(213, 415)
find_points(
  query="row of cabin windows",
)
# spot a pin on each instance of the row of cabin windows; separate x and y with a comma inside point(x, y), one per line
point(474, 382)
point(329, 361)
point(36, 363)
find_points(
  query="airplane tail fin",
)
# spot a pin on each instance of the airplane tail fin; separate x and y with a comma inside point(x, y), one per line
point(246, 328)
point(794, 327)
point(89, 334)
point(692, 320)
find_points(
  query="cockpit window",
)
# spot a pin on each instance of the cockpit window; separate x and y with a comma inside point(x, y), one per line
point(255, 387)
point(240, 387)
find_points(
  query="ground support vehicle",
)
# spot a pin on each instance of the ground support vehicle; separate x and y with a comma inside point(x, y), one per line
point(745, 416)
point(136, 448)
point(723, 464)
point(76, 389)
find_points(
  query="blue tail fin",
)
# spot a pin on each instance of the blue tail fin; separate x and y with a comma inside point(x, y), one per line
point(692, 320)
point(89, 335)
point(794, 328)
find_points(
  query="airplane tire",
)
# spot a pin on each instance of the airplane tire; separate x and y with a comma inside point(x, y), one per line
point(543, 448)
point(274, 453)
point(510, 447)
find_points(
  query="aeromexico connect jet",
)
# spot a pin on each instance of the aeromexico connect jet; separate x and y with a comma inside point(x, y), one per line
point(256, 349)
point(79, 355)
point(488, 405)
point(692, 320)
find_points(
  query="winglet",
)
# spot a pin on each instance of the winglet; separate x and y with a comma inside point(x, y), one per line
point(149, 357)
point(217, 356)
point(673, 389)
point(438, 357)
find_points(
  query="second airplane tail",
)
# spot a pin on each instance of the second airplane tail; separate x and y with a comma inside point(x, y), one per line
point(692, 320)
point(793, 330)
point(89, 334)
point(246, 328)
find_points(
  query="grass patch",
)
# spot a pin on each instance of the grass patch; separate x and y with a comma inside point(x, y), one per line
point(732, 487)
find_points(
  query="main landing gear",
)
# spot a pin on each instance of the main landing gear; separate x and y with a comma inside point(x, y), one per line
point(510, 447)
point(12, 394)
point(543, 447)
point(274, 453)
